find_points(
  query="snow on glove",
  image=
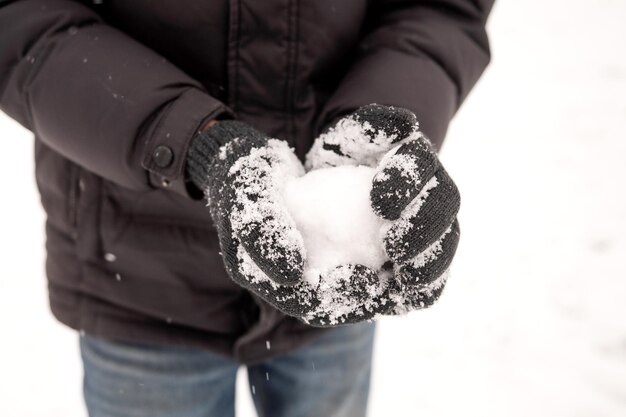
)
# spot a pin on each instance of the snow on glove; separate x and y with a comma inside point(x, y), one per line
point(245, 205)
point(242, 173)
point(410, 189)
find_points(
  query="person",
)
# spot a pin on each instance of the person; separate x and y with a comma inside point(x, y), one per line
point(141, 110)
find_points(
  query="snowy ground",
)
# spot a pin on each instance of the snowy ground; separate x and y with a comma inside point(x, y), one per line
point(533, 321)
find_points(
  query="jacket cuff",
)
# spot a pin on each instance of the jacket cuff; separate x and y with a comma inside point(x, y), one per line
point(394, 78)
point(166, 148)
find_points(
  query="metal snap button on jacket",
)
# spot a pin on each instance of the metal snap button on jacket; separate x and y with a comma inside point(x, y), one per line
point(163, 156)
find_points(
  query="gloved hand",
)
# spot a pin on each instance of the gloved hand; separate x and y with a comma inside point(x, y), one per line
point(242, 173)
point(411, 189)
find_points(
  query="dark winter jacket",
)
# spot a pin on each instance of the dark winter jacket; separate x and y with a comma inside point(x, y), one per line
point(103, 84)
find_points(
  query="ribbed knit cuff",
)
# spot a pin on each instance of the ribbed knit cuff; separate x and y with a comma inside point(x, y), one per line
point(205, 146)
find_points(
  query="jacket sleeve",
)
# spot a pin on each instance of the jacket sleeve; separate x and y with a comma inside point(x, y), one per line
point(424, 55)
point(97, 96)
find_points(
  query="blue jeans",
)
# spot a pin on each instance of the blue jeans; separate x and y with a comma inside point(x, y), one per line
point(327, 378)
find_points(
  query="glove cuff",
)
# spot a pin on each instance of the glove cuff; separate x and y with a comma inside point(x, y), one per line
point(205, 146)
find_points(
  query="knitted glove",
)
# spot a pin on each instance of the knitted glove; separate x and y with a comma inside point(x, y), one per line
point(411, 189)
point(245, 204)
point(242, 173)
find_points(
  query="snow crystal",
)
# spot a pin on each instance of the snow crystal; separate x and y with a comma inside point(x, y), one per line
point(260, 178)
point(336, 303)
point(431, 253)
point(395, 231)
point(405, 303)
point(226, 149)
point(250, 269)
point(110, 257)
point(353, 140)
point(405, 164)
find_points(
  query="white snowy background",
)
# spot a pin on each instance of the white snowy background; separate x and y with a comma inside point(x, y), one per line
point(533, 321)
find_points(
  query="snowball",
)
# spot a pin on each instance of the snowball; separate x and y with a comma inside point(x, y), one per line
point(332, 210)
